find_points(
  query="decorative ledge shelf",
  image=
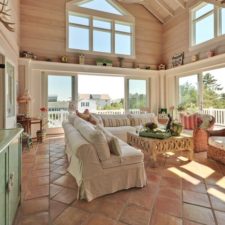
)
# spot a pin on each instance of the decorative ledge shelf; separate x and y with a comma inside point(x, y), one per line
point(78, 68)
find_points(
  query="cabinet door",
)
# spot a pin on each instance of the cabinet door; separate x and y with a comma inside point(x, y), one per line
point(14, 173)
point(3, 175)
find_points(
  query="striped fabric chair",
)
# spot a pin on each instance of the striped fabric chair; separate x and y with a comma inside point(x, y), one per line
point(200, 124)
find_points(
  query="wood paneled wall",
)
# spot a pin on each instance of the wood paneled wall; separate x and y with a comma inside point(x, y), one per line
point(176, 39)
point(43, 32)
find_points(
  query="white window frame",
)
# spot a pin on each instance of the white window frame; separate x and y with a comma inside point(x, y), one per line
point(126, 19)
point(218, 36)
point(148, 97)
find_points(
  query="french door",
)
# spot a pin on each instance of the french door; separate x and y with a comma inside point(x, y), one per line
point(60, 93)
point(205, 92)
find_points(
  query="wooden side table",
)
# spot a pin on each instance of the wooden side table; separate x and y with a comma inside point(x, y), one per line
point(26, 123)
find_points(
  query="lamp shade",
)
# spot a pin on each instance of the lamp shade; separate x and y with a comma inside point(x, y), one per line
point(25, 98)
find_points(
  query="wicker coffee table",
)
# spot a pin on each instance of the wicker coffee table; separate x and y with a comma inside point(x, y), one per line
point(159, 146)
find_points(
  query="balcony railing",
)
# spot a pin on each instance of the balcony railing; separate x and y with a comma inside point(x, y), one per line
point(219, 115)
point(56, 118)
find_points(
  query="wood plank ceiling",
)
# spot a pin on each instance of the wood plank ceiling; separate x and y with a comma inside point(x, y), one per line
point(163, 10)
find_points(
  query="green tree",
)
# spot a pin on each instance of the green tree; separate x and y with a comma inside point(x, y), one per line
point(212, 96)
point(188, 95)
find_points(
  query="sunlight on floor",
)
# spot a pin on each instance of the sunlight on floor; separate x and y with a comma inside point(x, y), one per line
point(221, 182)
point(182, 158)
point(198, 169)
point(185, 176)
point(216, 193)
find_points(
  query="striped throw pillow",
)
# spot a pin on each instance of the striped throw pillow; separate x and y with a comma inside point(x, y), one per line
point(189, 122)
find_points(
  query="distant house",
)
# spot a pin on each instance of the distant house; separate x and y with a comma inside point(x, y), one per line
point(93, 101)
point(87, 104)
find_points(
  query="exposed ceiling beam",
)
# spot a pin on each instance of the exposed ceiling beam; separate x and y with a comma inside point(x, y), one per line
point(154, 12)
point(165, 7)
point(181, 3)
point(219, 3)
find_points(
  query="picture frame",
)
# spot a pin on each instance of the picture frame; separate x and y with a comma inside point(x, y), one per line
point(10, 97)
point(178, 59)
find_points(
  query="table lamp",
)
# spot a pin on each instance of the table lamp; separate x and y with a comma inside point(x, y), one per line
point(25, 99)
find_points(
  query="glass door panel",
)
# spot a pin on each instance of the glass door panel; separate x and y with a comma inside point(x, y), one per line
point(214, 94)
point(137, 95)
point(188, 92)
point(101, 94)
point(59, 96)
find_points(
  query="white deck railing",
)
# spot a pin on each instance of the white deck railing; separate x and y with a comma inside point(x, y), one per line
point(56, 118)
point(219, 115)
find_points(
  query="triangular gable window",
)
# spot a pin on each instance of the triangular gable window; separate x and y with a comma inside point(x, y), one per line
point(101, 5)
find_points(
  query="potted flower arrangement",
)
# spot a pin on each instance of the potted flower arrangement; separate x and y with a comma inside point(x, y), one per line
point(41, 134)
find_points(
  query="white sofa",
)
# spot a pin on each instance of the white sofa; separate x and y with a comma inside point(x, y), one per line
point(119, 125)
point(97, 171)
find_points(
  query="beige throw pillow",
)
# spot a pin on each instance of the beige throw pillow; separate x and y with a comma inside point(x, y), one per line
point(113, 141)
point(95, 137)
point(114, 146)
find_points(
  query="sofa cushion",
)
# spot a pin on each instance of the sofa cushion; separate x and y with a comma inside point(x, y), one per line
point(115, 120)
point(95, 137)
point(97, 119)
point(114, 146)
point(217, 142)
point(71, 118)
point(141, 119)
point(129, 155)
point(121, 132)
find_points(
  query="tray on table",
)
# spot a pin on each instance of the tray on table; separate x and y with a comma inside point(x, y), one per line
point(158, 135)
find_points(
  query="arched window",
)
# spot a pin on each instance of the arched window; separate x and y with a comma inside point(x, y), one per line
point(100, 27)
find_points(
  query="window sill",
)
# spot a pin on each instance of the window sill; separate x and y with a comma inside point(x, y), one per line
point(100, 54)
point(207, 44)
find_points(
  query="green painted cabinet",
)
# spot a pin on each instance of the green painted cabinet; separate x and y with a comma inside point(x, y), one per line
point(10, 174)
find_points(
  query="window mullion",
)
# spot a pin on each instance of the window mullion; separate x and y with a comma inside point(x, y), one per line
point(91, 35)
point(215, 22)
point(219, 21)
point(113, 39)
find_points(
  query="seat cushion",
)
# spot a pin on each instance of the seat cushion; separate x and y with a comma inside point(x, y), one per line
point(217, 142)
point(129, 155)
point(121, 132)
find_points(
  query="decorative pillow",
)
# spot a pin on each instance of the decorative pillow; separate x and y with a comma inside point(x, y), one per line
point(107, 134)
point(71, 118)
point(115, 120)
point(97, 138)
point(114, 146)
point(113, 141)
point(97, 119)
point(206, 119)
point(86, 115)
point(189, 122)
point(138, 119)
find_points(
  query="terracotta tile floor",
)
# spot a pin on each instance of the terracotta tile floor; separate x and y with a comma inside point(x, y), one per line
point(179, 192)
